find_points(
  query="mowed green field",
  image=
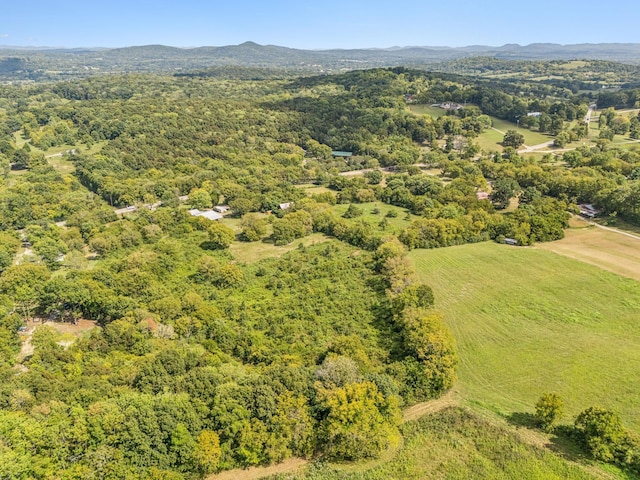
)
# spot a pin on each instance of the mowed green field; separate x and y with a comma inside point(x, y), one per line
point(491, 138)
point(530, 137)
point(529, 321)
point(427, 110)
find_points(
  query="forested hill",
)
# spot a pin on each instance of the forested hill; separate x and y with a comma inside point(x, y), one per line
point(47, 63)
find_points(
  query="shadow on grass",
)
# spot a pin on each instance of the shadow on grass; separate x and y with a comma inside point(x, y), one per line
point(562, 440)
point(523, 419)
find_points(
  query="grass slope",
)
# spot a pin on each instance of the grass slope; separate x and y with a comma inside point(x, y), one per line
point(529, 321)
point(455, 444)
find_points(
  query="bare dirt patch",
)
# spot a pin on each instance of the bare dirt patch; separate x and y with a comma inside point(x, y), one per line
point(254, 473)
point(429, 408)
point(67, 328)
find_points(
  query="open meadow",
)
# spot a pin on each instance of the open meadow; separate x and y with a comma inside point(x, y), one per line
point(435, 112)
point(528, 321)
point(618, 252)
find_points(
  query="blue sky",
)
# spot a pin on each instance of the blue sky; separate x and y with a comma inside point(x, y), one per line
point(316, 24)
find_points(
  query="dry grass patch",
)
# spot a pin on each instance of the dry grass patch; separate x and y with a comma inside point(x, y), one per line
point(615, 252)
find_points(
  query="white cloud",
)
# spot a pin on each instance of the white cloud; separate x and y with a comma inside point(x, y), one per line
point(4, 35)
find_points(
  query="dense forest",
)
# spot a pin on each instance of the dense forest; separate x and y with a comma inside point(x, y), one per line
point(202, 361)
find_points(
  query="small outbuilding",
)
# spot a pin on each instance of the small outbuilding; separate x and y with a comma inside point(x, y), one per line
point(209, 214)
point(341, 154)
point(511, 241)
point(285, 206)
point(588, 210)
point(222, 208)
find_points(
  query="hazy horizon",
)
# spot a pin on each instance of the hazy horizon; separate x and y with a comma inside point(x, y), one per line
point(312, 25)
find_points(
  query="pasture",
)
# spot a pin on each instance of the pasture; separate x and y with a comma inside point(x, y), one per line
point(529, 321)
point(612, 251)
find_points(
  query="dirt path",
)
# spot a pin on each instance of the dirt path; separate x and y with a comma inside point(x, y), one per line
point(611, 229)
point(429, 408)
point(26, 350)
point(294, 464)
point(254, 473)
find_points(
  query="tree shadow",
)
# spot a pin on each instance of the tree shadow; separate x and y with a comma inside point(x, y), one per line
point(562, 441)
point(210, 246)
point(523, 419)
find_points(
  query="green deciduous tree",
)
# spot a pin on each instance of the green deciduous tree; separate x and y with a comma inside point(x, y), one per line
point(207, 452)
point(359, 423)
point(200, 198)
point(254, 227)
point(220, 236)
point(602, 433)
point(549, 410)
point(513, 139)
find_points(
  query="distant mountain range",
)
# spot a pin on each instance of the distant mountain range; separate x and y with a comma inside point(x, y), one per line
point(44, 63)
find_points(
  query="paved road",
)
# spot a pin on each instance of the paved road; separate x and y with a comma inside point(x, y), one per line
point(587, 117)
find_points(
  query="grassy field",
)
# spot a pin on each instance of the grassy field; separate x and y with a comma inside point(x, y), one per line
point(396, 224)
point(528, 321)
point(311, 189)
point(250, 252)
point(457, 444)
point(490, 139)
point(427, 110)
point(530, 137)
point(609, 250)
